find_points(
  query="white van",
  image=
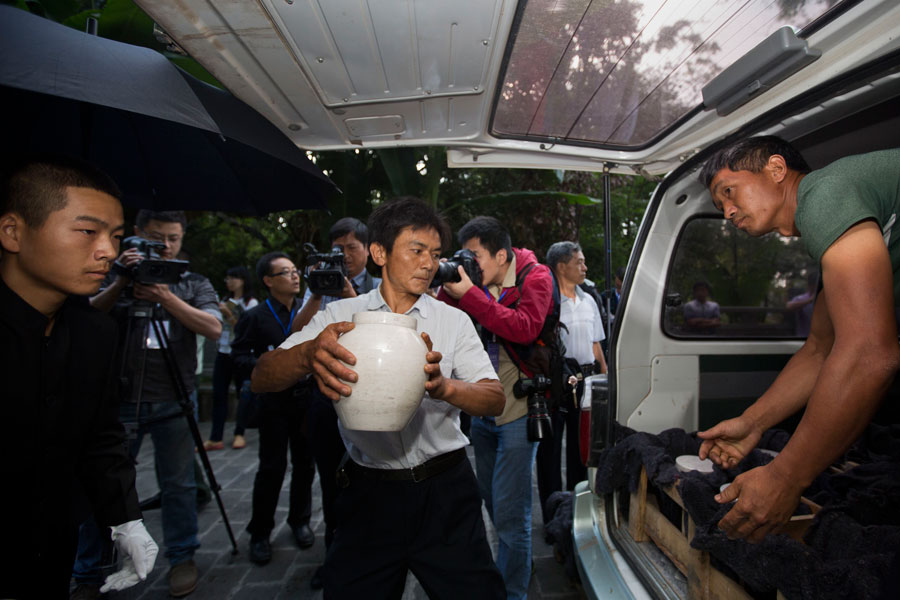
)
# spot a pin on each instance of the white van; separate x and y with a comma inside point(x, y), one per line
point(625, 86)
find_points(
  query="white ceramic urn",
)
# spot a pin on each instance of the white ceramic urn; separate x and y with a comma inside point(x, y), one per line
point(390, 362)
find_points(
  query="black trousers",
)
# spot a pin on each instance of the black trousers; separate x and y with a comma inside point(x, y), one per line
point(38, 569)
point(282, 426)
point(549, 457)
point(328, 449)
point(433, 528)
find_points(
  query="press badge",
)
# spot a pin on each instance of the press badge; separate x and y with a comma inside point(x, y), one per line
point(151, 342)
point(493, 350)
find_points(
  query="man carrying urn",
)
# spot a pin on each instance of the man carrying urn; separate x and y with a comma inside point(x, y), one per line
point(411, 501)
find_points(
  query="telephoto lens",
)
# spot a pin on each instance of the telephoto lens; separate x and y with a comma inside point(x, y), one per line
point(539, 426)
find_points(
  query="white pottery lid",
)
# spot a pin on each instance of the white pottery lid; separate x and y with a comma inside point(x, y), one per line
point(690, 462)
point(384, 318)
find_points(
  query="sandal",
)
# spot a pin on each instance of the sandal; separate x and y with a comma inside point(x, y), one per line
point(211, 445)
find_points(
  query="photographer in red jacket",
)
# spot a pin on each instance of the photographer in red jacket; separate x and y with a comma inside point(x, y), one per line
point(510, 306)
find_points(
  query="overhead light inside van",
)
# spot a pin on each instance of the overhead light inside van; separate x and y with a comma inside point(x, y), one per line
point(774, 59)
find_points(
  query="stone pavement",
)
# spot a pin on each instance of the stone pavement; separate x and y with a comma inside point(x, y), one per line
point(224, 576)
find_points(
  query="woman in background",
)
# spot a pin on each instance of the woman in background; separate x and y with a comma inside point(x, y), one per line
point(240, 298)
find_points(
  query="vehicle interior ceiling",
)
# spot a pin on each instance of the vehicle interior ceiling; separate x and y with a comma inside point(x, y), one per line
point(862, 116)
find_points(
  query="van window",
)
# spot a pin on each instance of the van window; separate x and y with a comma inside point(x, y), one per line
point(724, 283)
point(622, 73)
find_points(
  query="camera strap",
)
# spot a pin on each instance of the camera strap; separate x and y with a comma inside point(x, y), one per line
point(285, 329)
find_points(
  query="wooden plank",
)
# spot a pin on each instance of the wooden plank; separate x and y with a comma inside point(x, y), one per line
point(672, 493)
point(698, 568)
point(637, 509)
point(797, 526)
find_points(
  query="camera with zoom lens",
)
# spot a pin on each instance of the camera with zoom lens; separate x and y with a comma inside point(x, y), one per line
point(327, 279)
point(539, 426)
point(152, 269)
point(448, 271)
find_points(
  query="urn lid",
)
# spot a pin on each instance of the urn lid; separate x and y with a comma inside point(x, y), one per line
point(384, 318)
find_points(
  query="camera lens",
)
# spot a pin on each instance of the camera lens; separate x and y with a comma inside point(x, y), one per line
point(538, 423)
point(447, 272)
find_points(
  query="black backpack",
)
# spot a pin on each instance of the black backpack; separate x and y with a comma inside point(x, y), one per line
point(546, 355)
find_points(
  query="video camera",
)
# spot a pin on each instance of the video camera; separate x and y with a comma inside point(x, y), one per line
point(327, 279)
point(448, 271)
point(539, 426)
point(152, 269)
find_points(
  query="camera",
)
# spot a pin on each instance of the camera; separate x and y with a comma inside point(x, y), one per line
point(448, 271)
point(152, 269)
point(539, 426)
point(327, 279)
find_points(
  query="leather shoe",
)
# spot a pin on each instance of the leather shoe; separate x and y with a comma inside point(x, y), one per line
point(304, 536)
point(316, 582)
point(183, 579)
point(260, 551)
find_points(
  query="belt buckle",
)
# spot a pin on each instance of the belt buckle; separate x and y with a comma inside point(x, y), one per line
point(414, 472)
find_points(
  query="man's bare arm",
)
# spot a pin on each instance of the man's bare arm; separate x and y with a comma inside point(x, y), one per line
point(306, 312)
point(863, 360)
point(278, 370)
point(598, 356)
point(108, 297)
point(321, 357)
point(728, 442)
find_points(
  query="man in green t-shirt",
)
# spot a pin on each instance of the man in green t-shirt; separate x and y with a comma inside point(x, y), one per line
point(846, 216)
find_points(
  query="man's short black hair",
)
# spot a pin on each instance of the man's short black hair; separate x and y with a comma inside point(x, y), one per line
point(561, 252)
point(701, 284)
point(264, 265)
point(349, 225)
point(752, 154)
point(34, 186)
point(391, 217)
point(620, 273)
point(144, 216)
point(490, 232)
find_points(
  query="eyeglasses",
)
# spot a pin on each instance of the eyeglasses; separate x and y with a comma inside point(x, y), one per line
point(160, 237)
point(289, 273)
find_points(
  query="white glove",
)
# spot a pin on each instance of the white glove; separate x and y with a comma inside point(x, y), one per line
point(139, 554)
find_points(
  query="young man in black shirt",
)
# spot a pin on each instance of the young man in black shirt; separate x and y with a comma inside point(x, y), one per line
point(282, 415)
point(60, 225)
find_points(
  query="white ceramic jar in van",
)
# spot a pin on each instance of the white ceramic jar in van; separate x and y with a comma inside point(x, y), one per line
point(390, 362)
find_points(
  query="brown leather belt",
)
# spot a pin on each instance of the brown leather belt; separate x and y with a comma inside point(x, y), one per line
point(429, 468)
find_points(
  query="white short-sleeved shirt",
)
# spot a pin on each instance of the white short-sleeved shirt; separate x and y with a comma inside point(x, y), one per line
point(585, 326)
point(434, 428)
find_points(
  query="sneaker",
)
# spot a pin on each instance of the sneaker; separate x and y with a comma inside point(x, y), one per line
point(239, 442)
point(183, 579)
point(85, 591)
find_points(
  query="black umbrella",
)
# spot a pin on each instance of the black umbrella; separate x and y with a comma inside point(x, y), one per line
point(169, 140)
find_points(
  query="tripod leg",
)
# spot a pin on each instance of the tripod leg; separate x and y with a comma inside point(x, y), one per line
point(187, 408)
